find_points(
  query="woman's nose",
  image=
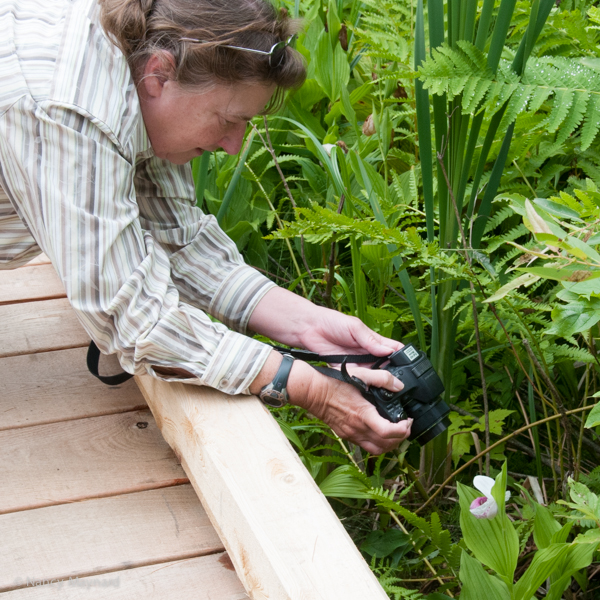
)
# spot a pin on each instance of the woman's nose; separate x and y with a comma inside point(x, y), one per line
point(233, 140)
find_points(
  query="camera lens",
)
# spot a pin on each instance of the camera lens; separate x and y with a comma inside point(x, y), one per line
point(429, 419)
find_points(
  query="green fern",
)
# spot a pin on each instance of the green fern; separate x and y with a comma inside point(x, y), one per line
point(384, 29)
point(568, 89)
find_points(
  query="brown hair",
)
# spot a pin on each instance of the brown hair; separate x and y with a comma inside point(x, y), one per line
point(142, 28)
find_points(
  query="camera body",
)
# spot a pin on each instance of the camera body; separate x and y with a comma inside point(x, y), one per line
point(419, 399)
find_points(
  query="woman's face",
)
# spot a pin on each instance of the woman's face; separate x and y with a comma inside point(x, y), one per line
point(181, 125)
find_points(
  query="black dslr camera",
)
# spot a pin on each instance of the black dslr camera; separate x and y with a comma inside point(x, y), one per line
point(419, 399)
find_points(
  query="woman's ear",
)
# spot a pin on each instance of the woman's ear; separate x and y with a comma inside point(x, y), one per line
point(159, 69)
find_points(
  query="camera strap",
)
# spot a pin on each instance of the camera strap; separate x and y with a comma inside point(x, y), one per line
point(341, 359)
point(93, 360)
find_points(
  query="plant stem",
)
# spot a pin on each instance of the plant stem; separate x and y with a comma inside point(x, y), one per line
point(331, 277)
point(269, 146)
point(581, 427)
point(495, 445)
point(292, 255)
point(486, 410)
point(429, 566)
point(559, 404)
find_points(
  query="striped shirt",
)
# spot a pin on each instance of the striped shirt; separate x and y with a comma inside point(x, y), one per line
point(142, 266)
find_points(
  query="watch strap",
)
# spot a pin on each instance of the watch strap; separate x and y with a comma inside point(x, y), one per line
point(275, 393)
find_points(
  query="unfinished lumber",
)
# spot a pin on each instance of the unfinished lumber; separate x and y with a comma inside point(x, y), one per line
point(40, 259)
point(283, 537)
point(39, 327)
point(103, 536)
point(56, 386)
point(204, 578)
point(76, 460)
point(39, 282)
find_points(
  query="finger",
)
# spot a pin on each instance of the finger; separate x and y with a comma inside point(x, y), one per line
point(386, 430)
point(378, 378)
point(374, 343)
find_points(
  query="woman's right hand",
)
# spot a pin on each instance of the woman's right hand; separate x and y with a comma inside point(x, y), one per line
point(342, 406)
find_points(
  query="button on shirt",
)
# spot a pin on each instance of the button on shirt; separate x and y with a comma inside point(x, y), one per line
point(141, 264)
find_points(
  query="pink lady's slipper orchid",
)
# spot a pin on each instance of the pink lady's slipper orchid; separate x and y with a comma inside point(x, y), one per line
point(485, 507)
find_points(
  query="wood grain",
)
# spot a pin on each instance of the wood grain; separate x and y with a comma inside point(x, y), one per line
point(41, 259)
point(39, 327)
point(75, 460)
point(33, 283)
point(283, 537)
point(103, 536)
point(56, 386)
point(204, 578)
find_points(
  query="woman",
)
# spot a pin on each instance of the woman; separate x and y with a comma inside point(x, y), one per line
point(101, 108)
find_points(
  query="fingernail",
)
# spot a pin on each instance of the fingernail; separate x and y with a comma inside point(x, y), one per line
point(397, 385)
point(410, 422)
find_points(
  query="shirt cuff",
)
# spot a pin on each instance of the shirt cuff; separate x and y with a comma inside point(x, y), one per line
point(233, 367)
point(236, 363)
point(238, 296)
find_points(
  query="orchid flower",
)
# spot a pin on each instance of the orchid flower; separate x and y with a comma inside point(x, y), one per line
point(485, 507)
point(328, 148)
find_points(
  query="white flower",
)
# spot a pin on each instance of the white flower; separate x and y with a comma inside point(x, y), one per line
point(485, 507)
point(328, 148)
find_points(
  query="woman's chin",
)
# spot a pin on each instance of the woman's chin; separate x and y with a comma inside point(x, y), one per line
point(181, 158)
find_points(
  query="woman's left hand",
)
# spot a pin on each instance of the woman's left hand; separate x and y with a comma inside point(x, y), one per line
point(292, 320)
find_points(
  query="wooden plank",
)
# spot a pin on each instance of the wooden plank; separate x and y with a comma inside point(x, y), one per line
point(34, 283)
point(41, 259)
point(76, 460)
point(103, 536)
point(281, 533)
point(39, 327)
point(56, 386)
point(204, 578)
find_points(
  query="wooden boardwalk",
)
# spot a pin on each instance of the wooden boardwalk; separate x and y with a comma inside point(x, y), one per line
point(93, 502)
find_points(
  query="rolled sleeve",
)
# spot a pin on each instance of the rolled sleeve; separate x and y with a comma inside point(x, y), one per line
point(137, 275)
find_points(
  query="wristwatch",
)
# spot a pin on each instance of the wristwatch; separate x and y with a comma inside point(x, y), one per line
point(275, 393)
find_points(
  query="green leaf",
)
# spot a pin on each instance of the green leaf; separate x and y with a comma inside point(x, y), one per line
point(545, 526)
point(567, 273)
point(527, 279)
point(572, 318)
point(577, 557)
point(290, 434)
point(591, 536)
point(477, 584)
point(381, 543)
point(593, 419)
point(332, 70)
point(588, 288)
point(545, 562)
point(344, 483)
point(558, 210)
point(493, 541)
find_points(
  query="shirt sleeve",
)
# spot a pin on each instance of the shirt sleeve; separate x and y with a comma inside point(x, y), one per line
point(206, 267)
point(136, 274)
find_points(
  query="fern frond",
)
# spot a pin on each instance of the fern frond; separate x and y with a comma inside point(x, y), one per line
point(591, 123)
point(571, 87)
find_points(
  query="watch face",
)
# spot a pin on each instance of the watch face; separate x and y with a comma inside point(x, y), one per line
point(274, 398)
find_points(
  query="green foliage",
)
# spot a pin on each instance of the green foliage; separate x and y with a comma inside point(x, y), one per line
point(504, 95)
point(568, 90)
point(494, 544)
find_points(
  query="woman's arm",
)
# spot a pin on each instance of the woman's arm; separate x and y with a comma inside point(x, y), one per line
point(292, 320)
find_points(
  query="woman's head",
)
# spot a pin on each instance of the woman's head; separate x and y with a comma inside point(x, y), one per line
point(196, 91)
point(166, 28)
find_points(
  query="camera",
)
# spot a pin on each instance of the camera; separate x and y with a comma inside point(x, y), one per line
point(419, 399)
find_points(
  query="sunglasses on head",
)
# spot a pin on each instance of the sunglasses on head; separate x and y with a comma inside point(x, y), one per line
point(273, 52)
